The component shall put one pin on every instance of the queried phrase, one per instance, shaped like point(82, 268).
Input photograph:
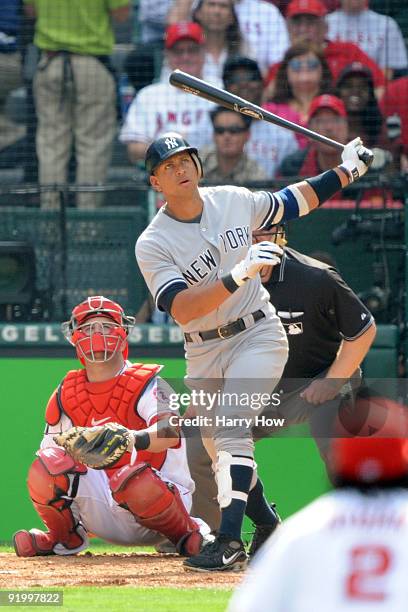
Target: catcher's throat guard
point(97, 341)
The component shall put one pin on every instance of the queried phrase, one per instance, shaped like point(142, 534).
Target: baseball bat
point(193, 85)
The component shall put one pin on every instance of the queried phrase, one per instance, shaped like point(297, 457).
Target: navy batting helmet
point(166, 146)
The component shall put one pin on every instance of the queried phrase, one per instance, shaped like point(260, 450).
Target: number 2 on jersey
point(368, 564)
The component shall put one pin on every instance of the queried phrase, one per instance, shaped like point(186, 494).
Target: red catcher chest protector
point(88, 404)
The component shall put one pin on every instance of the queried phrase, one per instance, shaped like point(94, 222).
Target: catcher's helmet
point(94, 338)
point(167, 145)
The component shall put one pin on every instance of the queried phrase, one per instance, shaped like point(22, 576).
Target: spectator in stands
point(306, 23)
point(75, 91)
point(222, 33)
point(268, 144)
point(10, 69)
point(328, 116)
point(226, 161)
point(302, 75)
point(394, 107)
point(261, 23)
point(152, 19)
point(160, 107)
point(377, 35)
point(356, 88)
point(148, 313)
point(222, 36)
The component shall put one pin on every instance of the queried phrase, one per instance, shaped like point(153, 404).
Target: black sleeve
point(165, 300)
point(341, 303)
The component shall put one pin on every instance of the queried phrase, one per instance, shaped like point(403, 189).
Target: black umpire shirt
point(318, 309)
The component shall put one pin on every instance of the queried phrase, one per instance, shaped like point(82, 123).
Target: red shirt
point(395, 102)
point(338, 55)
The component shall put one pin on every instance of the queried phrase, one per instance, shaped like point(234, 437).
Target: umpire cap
point(166, 146)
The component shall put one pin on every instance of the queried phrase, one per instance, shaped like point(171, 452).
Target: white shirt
point(212, 69)
point(161, 108)
point(264, 30)
point(378, 35)
point(153, 400)
point(345, 552)
point(269, 144)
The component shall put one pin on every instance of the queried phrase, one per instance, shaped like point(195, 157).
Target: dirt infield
point(88, 569)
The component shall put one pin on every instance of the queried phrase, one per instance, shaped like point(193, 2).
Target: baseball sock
point(258, 509)
point(233, 515)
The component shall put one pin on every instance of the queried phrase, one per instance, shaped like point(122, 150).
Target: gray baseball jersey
point(174, 255)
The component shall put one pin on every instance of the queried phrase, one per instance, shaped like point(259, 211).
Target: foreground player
point(345, 551)
point(145, 496)
point(198, 262)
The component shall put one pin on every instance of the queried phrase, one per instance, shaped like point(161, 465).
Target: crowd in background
point(85, 89)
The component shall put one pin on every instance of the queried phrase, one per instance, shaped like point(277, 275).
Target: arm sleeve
point(273, 208)
point(155, 401)
point(351, 316)
point(161, 274)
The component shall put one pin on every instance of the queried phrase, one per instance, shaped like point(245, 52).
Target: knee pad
point(156, 504)
point(49, 476)
point(53, 481)
point(224, 480)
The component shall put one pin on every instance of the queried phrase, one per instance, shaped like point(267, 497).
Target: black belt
point(226, 331)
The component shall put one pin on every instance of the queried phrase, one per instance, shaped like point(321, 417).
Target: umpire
point(329, 331)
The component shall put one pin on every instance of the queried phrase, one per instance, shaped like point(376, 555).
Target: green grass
point(139, 599)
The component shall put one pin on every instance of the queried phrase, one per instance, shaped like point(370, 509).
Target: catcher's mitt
point(97, 447)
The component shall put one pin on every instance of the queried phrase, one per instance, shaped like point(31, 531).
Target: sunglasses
point(232, 129)
point(297, 65)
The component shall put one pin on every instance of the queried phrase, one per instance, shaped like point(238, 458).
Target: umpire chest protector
point(89, 404)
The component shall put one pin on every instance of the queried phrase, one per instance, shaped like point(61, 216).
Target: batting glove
point(356, 159)
point(261, 254)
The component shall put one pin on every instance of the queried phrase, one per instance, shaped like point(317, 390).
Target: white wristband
point(351, 170)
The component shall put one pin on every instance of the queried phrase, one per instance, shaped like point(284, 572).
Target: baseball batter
point(198, 262)
point(346, 551)
point(138, 488)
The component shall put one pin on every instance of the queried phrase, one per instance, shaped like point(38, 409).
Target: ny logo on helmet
point(171, 143)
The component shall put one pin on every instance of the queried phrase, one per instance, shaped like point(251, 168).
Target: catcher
point(109, 462)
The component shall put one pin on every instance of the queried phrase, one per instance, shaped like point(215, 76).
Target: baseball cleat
point(223, 554)
point(262, 533)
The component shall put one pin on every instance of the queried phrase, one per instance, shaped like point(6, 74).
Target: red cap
point(306, 7)
point(368, 460)
point(327, 101)
point(183, 30)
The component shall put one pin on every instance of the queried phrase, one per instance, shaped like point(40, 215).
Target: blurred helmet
point(106, 337)
point(369, 459)
point(166, 146)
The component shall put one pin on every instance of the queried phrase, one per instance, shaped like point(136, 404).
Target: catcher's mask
point(276, 234)
point(107, 336)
